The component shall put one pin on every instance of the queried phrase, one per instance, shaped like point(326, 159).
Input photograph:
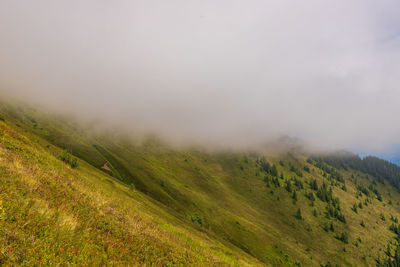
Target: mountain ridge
point(233, 208)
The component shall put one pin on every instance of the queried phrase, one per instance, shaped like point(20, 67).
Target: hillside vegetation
point(69, 196)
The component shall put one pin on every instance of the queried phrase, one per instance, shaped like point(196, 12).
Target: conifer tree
point(288, 186)
point(298, 215)
point(294, 196)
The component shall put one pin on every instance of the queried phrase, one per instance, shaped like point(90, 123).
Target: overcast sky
point(226, 72)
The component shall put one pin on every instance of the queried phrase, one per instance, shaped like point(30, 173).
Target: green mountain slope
point(149, 203)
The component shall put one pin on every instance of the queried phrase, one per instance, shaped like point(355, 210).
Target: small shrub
point(132, 187)
point(68, 158)
point(344, 238)
point(2, 211)
point(197, 219)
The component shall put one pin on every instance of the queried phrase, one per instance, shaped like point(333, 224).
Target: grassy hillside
point(149, 203)
point(51, 213)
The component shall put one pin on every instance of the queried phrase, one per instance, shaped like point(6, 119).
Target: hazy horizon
point(234, 73)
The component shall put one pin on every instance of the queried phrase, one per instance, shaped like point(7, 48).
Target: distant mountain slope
point(393, 155)
point(158, 205)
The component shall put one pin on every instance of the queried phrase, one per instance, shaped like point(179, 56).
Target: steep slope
point(152, 203)
point(51, 213)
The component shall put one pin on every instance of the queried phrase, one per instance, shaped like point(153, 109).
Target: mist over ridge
point(230, 73)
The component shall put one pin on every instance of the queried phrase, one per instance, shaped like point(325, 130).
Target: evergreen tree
point(354, 208)
point(306, 168)
point(298, 183)
point(310, 196)
point(314, 185)
point(344, 238)
point(288, 186)
point(344, 188)
point(294, 195)
point(298, 215)
point(276, 182)
point(324, 194)
point(274, 171)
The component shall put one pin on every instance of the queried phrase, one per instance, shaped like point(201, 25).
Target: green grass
point(158, 205)
point(52, 213)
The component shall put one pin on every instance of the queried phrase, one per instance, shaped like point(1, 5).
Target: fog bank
point(216, 72)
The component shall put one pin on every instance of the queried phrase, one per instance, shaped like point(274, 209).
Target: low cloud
point(219, 72)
